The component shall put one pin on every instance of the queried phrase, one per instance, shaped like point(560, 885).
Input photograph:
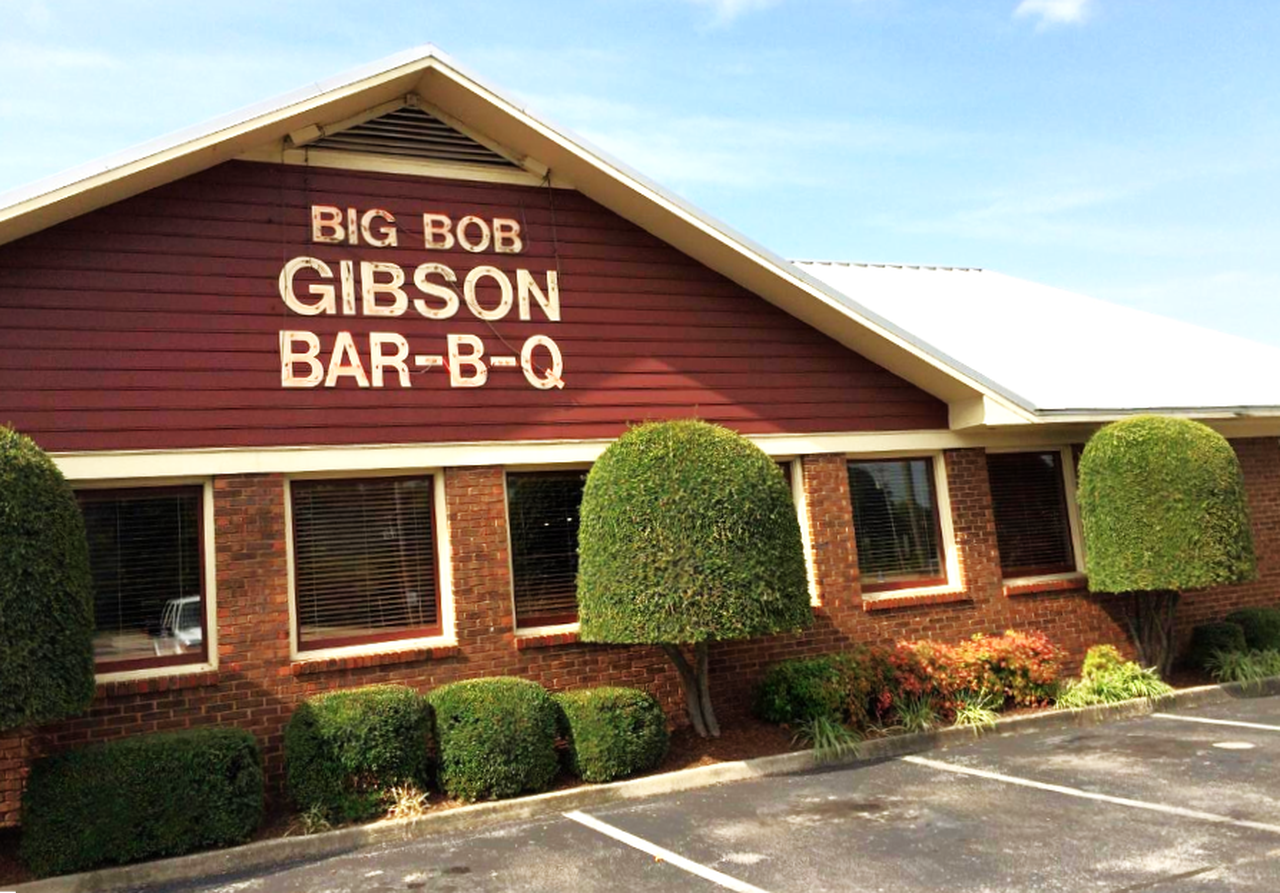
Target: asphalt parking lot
point(1170, 803)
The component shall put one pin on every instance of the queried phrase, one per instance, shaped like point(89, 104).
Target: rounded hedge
point(141, 798)
point(1162, 505)
point(345, 750)
point(495, 737)
point(803, 689)
point(612, 732)
point(1207, 638)
point(1261, 627)
point(688, 533)
point(46, 593)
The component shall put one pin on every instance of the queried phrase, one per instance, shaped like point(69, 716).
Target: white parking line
point(644, 846)
point(1091, 795)
point(1217, 722)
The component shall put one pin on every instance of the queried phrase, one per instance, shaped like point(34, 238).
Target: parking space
point(1165, 803)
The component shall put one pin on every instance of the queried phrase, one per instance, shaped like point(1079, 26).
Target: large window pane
point(148, 592)
point(543, 508)
point(364, 560)
point(1030, 503)
point(895, 523)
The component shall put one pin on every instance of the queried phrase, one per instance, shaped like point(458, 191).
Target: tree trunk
point(697, 692)
point(1151, 623)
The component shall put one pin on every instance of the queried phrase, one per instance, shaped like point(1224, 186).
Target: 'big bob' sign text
point(370, 288)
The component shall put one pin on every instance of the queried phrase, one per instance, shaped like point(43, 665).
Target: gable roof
point(873, 329)
point(1066, 354)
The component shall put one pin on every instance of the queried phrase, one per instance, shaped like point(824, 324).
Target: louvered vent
point(410, 132)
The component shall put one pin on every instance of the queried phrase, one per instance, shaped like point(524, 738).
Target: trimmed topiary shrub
point(689, 534)
point(46, 593)
point(1223, 636)
point(345, 750)
point(141, 798)
point(495, 737)
point(797, 691)
point(1261, 627)
point(612, 732)
point(1163, 509)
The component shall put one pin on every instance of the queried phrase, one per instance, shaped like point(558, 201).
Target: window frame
point(173, 665)
point(951, 580)
point(1068, 482)
point(442, 634)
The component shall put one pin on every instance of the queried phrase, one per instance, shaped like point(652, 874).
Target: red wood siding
point(153, 324)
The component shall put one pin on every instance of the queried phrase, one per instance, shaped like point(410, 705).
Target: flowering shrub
point(868, 686)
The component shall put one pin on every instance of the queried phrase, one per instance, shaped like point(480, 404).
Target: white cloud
point(728, 10)
point(1049, 13)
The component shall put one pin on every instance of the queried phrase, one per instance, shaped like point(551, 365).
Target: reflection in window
point(148, 584)
point(1030, 504)
point(895, 523)
point(543, 510)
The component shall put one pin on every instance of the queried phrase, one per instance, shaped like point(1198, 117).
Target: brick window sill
point(1055, 584)
point(305, 667)
point(548, 641)
point(891, 602)
point(152, 684)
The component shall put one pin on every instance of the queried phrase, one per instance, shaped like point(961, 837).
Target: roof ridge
point(861, 263)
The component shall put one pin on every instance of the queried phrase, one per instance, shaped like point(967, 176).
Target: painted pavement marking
point(675, 859)
point(1239, 724)
point(1091, 795)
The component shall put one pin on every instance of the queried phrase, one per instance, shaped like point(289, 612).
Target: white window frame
point(1073, 513)
point(209, 556)
point(444, 557)
point(946, 528)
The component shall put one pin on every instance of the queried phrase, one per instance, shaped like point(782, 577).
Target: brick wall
point(256, 685)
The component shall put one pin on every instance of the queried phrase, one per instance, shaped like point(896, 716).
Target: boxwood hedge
point(1261, 627)
point(345, 750)
point(141, 798)
point(1207, 638)
point(612, 732)
point(496, 737)
point(46, 601)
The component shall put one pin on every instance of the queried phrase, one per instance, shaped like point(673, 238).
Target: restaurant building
point(328, 374)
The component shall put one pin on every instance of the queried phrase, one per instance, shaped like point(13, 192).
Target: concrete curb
point(286, 850)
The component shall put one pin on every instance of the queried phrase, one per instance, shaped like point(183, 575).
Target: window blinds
point(1029, 500)
point(364, 560)
point(543, 509)
point(895, 523)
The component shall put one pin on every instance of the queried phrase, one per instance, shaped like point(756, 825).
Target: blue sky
point(1127, 149)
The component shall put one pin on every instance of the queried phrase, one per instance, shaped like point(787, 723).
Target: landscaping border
point(287, 850)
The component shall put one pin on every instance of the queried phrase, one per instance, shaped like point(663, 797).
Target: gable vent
point(410, 132)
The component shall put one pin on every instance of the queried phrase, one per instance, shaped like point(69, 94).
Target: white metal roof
point(1062, 352)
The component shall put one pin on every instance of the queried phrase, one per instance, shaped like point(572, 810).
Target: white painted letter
point(323, 292)
point(345, 360)
point(550, 378)
point(379, 360)
point(386, 235)
point(435, 231)
point(326, 224)
point(347, 278)
point(443, 292)
point(456, 361)
point(473, 247)
point(504, 286)
point(289, 356)
point(506, 236)
point(550, 302)
point(370, 288)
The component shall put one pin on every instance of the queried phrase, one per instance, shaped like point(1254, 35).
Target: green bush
point(689, 533)
point(798, 691)
point(345, 750)
point(612, 732)
point(141, 798)
point(1207, 638)
point(1247, 667)
point(496, 737)
point(1163, 507)
point(1107, 678)
point(46, 601)
point(1261, 627)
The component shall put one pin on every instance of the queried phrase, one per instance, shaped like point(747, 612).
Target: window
point(146, 560)
point(895, 524)
point(364, 560)
point(543, 513)
point(1033, 529)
